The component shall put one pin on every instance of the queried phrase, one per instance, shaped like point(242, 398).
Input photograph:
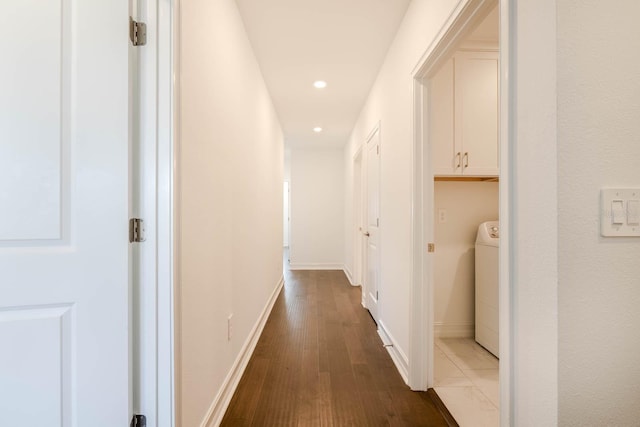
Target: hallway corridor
point(320, 362)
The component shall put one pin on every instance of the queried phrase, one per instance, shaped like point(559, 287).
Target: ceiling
point(341, 42)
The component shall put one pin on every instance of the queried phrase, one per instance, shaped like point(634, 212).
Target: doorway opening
point(458, 89)
point(463, 142)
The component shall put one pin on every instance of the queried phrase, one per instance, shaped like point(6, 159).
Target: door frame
point(421, 332)
point(155, 394)
point(358, 209)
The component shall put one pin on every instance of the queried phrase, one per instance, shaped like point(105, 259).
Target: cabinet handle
point(466, 160)
point(459, 163)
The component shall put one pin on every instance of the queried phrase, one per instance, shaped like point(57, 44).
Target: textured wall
point(599, 278)
point(390, 104)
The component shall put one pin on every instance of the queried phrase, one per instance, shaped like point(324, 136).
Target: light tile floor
point(466, 379)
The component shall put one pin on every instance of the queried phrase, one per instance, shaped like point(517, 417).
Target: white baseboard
point(347, 273)
point(223, 398)
point(454, 330)
point(315, 266)
point(397, 355)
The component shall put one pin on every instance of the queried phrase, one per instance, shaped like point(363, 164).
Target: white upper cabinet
point(441, 123)
point(464, 115)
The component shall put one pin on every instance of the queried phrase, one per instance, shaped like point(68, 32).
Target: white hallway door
point(64, 141)
point(373, 223)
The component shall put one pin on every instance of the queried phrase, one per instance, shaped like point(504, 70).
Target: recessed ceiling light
point(320, 84)
point(317, 129)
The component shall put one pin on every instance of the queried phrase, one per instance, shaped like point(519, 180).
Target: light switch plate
point(624, 224)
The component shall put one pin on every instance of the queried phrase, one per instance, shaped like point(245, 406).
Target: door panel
point(40, 351)
point(64, 292)
point(35, 122)
point(444, 156)
point(477, 104)
point(373, 222)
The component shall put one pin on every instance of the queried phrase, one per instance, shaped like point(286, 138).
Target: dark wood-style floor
point(320, 362)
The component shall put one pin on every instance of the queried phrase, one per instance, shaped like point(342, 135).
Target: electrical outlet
point(442, 215)
point(229, 327)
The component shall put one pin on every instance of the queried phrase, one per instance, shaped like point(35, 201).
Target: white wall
point(229, 196)
point(285, 214)
point(467, 205)
point(287, 202)
point(598, 59)
point(287, 164)
point(530, 165)
point(317, 209)
point(575, 294)
point(390, 102)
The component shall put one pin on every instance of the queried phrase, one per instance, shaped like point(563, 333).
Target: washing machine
point(487, 248)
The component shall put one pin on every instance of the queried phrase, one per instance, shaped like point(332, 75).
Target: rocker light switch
point(633, 212)
point(620, 212)
point(617, 212)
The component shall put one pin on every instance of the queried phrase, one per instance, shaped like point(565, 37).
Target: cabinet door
point(445, 159)
point(476, 111)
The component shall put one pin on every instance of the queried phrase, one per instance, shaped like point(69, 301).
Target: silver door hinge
point(136, 230)
point(376, 295)
point(137, 32)
point(139, 421)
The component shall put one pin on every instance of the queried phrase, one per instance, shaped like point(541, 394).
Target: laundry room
point(460, 208)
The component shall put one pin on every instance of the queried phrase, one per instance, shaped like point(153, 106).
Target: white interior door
point(373, 223)
point(64, 289)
